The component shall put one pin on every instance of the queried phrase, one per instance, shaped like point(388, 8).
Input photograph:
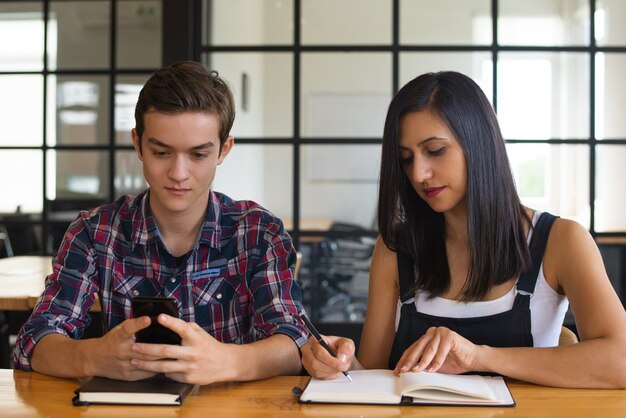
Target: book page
point(368, 386)
point(496, 383)
point(439, 386)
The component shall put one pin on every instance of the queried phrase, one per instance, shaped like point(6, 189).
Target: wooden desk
point(24, 394)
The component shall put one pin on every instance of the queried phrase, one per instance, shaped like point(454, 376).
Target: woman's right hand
point(321, 364)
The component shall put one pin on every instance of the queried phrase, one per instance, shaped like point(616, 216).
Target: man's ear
point(137, 143)
point(226, 147)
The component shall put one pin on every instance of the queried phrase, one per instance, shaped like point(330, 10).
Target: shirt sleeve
point(276, 295)
point(68, 294)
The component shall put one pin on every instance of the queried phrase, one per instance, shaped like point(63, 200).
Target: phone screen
point(152, 307)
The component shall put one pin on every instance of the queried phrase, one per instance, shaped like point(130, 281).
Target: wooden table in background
point(25, 394)
point(22, 281)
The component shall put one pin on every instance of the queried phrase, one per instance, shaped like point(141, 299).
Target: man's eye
point(200, 155)
point(159, 153)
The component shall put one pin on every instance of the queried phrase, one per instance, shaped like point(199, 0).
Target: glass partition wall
point(313, 79)
point(70, 73)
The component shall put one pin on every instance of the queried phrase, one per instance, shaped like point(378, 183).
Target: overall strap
point(406, 275)
point(526, 283)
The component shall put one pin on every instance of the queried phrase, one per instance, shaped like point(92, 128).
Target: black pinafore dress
point(511, 328)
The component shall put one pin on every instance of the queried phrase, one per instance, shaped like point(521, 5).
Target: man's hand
point(113, 354)
point(200, 358)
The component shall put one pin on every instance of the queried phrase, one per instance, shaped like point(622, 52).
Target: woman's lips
point(433, 191)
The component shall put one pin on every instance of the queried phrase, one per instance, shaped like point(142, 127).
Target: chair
point(23, 236)
point(6, 242)
point(567, 337)
point(343, 274)
point(298, 264)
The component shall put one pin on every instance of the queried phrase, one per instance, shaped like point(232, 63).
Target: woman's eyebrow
point(424, 141)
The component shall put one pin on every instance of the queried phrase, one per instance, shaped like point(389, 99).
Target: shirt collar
point(211, 228)
point(145, 230)
point(143, 225)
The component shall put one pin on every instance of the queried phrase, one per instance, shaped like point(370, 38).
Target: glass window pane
point(610, 199)
point(477, 65)
point(25, 195)
point(127, 90)
point(249, 22)
point(129, 177)
point(609, 23)
point(344, 94)
point(21, 110)
point(335, 277)
point(544, 22)
point(139, 31)
point(459, 22)
point(262, 84)
point(78, 109)
point(610, 95)
point(553, 178)
point(340, 183)
point(25, 51)
point(77, 175)
point(347, 22)
point(543, 95)
point(261, 173)
point(79, 34)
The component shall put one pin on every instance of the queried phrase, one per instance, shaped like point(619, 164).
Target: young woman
point(464, 278)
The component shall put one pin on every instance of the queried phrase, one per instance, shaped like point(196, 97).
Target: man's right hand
point(321, 364)
point(112, 355)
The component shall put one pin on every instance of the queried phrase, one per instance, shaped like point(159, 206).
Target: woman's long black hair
point(497, 243)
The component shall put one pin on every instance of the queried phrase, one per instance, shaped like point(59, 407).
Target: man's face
point(180, 153)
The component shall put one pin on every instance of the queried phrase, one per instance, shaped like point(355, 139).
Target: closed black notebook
point(157, 390)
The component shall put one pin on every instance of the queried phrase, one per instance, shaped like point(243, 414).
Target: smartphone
point(152, 307)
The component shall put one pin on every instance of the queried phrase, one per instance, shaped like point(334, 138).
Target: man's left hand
point(200, 358)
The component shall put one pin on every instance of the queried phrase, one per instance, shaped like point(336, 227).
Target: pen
point(318, 337)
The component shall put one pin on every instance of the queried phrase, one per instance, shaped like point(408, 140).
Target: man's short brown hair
point(186, 86)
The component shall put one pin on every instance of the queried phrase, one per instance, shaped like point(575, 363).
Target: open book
point(383, 387)
point(157, 390)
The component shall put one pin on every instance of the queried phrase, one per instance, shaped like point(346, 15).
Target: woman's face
point(433, 161)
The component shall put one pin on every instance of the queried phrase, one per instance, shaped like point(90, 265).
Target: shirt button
point(218, 296)
point(135, 292)
point(173, 280)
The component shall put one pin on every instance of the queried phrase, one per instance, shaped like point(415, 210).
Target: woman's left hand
point(439, 350)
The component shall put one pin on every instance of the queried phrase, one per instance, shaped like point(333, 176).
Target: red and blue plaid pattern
point(237, 282)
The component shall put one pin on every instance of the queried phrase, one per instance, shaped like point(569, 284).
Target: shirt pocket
point(222, 308)
point(210, 289)
point(125, 287)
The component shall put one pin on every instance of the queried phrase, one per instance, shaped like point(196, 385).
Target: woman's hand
point(439, 350)
point(321, 364)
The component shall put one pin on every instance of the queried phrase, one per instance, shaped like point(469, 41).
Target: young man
point(228, 264)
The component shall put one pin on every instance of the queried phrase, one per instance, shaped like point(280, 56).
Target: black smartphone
point(152, 307)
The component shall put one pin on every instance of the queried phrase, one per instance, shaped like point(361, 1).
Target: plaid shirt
point(236, 283)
